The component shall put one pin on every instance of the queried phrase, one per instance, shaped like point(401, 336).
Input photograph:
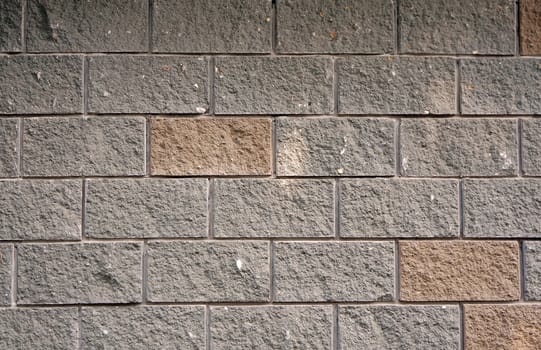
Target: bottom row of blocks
point(486, 326)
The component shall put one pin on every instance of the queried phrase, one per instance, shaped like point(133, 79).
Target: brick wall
point(289, 174)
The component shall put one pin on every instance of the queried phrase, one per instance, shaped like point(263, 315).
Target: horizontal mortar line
point(281, 303)
point(268, 54)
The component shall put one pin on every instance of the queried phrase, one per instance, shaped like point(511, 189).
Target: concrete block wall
point(270, 174)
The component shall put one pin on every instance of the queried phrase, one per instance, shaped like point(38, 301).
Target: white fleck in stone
point(200, 110)
point(340, 171)
point(432, 197)
point(106, 94)
point(239, 264)
point(196, 86)
point(105, 331)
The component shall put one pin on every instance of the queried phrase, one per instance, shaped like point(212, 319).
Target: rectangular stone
point(273, 85)
point(147, 84)
point(273, 208)
point(399, 208)
point(333, 271)
point(142, 208)
point(492, 326)
point(459, 147)
point(531, 254)
point(82, 273)
point(335, 147)
point(40, 209)
point(6, 266)
point(352, 26)
point(43, 328)
point(502, 208)
point(484, 27)
point(87, 26)
point(399, 327)
point(530, 27)
point(199, 271)
point(213, 146)
point(10, 25)
point(500, 86)
point(396, 85)
point(208, 26)
point(41, 84)
point(9, 147)
point(84, 146)
point(531, 147)
point(146, 327)
point(271, 327)
point(459, 270)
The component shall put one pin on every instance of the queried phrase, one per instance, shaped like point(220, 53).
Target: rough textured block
point(273, 85)
point(79, 273)
point(531, 147)
point(332, 271)
point(351, 26)
point(502, 326)
point(41, 84)
point(502, 208)
point(532, 270)
point(273, 208)
point(501, 86)
point(42, 328)
point(335, 146)
point(81, 146)
point(146, 208)
point(217, 146)
point(6, 265)
point(9, 147)
point(396, 85)
point(271, 327)
point(459, 270)
point(40, 209)
point(10, 25)
point(485, 27)
point(459, 147)
point(208, 271)
point(152, 327)
point(87, 26)
point(399, 327)
point(530, 27)
point(147, 84)
point(399, 208)
point(233, 26)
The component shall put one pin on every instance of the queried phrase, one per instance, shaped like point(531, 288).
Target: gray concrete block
point(233, 26)
point(273, 85)
point(332, 271)
point(81, 146)
point(6, 266)
point(147, 327)
point(147, 84)
point(399, 208)
point(271, 327)
point(87, 26)
point(459, 147)
point(10, 25)
point(532, 270)
point(531, 147)
point(484, 27)
point(41, 84)
point(190, 271)
point(399, 327)
point(79, 273)
point(502, 208)
point(396, 85)
point(141, 208)
point(43, 328)
point(353, 26)
point(335, 147)
point(273, 208)
point(500, 86)
point(40, 209)
point(9, 147)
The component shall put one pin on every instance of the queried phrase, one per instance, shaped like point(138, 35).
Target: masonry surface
point(270, 174)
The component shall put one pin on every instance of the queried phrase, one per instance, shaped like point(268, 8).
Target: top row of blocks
point(484, 27)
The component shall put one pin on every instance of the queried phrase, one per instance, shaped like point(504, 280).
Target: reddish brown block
point(459, 270)
point(530, 27)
